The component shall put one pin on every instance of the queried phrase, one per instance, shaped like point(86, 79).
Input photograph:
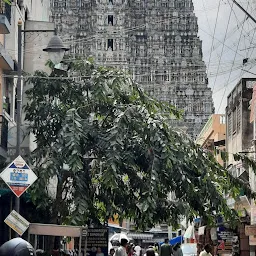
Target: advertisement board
point(17, 222)
point(96, 241)
point(18, 176)
point(226, 238)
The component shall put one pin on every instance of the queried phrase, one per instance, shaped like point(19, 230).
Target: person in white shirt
point(206, 251)
point(138, 250)
point(121, 250)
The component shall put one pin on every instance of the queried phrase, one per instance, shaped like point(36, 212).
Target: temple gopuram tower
point(156, 40)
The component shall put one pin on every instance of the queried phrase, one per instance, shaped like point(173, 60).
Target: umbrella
point(117, 238)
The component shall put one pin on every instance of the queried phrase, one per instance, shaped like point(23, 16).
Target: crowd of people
point(129, 249)
point(20, 247)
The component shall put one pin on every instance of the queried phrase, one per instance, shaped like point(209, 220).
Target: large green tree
point(109, 148)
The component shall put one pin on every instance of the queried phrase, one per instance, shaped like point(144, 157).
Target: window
point(234, 123)
point(222, 119)
point(111, 44)
point(166, 76)
point(229, 125)
point(110, 20)
point(239, 117)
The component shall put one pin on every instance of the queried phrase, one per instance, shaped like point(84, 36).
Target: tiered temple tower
point(156, 40)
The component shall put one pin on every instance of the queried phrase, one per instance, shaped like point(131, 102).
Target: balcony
point(5, 17)
point(6, 62)
point(4, 136)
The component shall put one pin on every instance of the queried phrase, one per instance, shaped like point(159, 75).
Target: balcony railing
point(5, 9)
point(4, 132)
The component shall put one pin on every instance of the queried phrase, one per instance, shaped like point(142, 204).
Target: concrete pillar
point(169, 232)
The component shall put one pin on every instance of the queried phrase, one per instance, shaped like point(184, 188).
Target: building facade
point(213, 136)
point(156, 41)
point(239, 129)
point(6, 65)
point(240, 140)
point(30, 13)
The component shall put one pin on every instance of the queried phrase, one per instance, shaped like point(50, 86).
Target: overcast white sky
point(235, 39)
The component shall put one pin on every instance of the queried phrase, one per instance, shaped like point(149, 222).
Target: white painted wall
point(34, 14)
point(37, 10)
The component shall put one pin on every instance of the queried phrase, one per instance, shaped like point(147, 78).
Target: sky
point(226, 43)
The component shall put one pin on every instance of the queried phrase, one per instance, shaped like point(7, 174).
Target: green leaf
point(7, 1)
point(122, 154)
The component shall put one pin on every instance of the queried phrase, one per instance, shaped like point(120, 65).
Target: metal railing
point(4, 132)
point(5, 9)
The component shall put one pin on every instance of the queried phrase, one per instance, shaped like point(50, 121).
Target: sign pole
point(85, 244)
point(80, 242)
point(19, 104)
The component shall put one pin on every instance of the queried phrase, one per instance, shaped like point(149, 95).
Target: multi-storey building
point(6, 65)
point(239, 139)
point(29, 12)
point(213, 136)
point(155, 40)
point(239, 129)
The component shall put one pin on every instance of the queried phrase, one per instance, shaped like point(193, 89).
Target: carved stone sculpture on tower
point(150, 31)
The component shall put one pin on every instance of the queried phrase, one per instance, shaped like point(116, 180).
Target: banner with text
point(227, 239)
point(97, 241)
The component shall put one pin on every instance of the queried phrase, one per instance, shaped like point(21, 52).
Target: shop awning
point(140, 236)
point(116, 226)
point(175, 240)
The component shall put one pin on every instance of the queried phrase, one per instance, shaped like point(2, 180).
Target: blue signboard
point(225, 239)
point(18, 176)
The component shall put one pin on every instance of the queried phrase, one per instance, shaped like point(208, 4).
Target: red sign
point(18, 191)
point(221, 245)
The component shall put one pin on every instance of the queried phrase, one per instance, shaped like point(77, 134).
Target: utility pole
point(19, 103)
point(247, 13)
point(56, 50)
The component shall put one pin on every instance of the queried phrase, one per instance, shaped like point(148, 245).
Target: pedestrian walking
point(177, 250)
point(153, 248)
point(150, 252)
point(156, 247)
point(206, 251)
point(99, 252)
point(166, 249)
point(111, 252)
point(138, 250)
point(121, 250)
point(130, 250)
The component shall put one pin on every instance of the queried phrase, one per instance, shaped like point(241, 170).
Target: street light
point(56, 49)
point(56, 52)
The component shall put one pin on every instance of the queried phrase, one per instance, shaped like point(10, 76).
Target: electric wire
point(206, 16)
point(222, 50)
point(116, 32)
point(214, 31)
point(232, 66)
point(241, 55)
